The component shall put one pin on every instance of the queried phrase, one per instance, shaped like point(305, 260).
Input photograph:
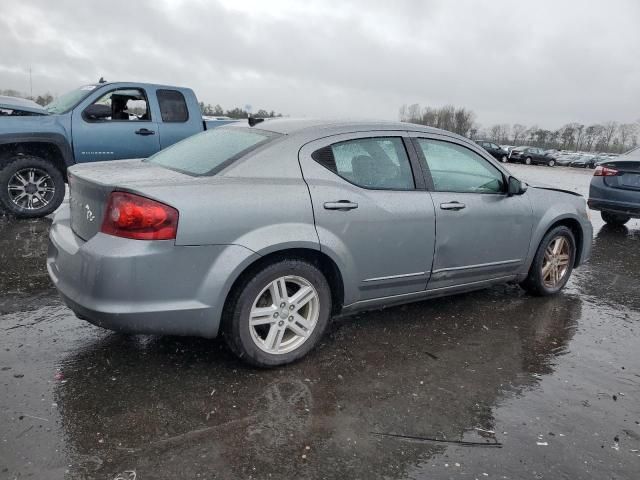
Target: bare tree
point(494, 133)
point(518, 133)
point(609, 130)
point(626, 132)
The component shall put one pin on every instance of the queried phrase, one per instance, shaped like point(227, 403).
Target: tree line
point(218, 111)
point(610, 136)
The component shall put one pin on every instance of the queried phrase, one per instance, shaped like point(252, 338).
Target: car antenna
point(102, 80)
point(254, 121)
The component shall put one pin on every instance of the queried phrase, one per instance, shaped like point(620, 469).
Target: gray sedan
point(265, 231)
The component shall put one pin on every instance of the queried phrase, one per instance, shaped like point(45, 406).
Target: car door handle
point(342, 205)
point(452, 206)
point(145, 131)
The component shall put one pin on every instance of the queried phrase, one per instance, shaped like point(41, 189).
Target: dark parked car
point(615, 189)
point(496, 151)
point(265, 233)
point(529, 155)
point(584, 161)
point(565, 159)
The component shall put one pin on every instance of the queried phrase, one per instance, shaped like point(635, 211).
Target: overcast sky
point(536, 62)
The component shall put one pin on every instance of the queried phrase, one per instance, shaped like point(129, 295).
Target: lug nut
point(290, 307)
point(275, 315)
point(280, 323)
point(282, 305)
point(291, 318)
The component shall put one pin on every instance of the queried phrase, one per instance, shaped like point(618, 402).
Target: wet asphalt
point(489, 385)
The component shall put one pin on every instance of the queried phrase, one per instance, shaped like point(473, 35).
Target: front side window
point(124, 105)
point(208, 152)
point(173, 107)
point(455, 168)
point(377, 163)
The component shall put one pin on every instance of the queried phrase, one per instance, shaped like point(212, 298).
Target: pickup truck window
point(209, 152)
point(173, 107)
point(128, 104)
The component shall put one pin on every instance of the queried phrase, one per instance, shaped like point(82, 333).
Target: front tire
point(552, 264)
point(277, 315)
point(614, 218)
point(30, 187)
point(504, 159)
point(527, 161)
point(551, 162)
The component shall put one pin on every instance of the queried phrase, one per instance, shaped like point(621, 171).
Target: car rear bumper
point(623, 208)
point(615, 200)
point(140, 286)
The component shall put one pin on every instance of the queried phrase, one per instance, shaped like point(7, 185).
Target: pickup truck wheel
point(552, 264)
point(30, 187)
point(278, 314)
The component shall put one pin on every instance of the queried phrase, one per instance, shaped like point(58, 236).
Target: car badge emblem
point(90, 216)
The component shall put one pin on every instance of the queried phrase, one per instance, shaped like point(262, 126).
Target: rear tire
point(527, 161)
point(30, 187)
point(614, 218)
point(504, 159)
point(550, 270)
point(254, 311)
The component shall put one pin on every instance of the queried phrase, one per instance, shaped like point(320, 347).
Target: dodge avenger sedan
point(264, 231)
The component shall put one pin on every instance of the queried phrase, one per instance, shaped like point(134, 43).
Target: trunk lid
point(90, 185)
point(628, 177)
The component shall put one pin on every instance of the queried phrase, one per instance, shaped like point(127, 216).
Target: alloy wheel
point(31, 188)
point(555, 264)
point(284, 314)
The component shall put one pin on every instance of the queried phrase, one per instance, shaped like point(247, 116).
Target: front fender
point(52, 129)
point(557, 213)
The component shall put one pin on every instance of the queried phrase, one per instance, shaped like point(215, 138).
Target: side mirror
point(97, 112)
point(515, 187)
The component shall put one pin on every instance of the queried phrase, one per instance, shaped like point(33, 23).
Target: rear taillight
point(604, 171)
point(140, 218)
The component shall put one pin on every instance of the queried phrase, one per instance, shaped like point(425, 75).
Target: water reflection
point(185, 406)
point(23, 250)
point(613, 273)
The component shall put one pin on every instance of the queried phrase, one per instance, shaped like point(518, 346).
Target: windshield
point(210, 151)
point(66, 102)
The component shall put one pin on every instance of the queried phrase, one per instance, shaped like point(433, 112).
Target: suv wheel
point(527, 160)
point(614, 218)
point(504, 159)
point(30, 187)
point(552, 264)
point(278, 315)
point(551, 162)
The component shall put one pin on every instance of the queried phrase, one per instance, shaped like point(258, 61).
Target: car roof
point(290, 126)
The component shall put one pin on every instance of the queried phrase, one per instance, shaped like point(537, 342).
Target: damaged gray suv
point(264, 231)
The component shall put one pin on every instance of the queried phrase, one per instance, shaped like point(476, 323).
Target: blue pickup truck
point(104, 121)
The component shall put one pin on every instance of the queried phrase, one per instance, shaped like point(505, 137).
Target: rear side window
point(378, 163)
point(210, 151)
point(173, 107)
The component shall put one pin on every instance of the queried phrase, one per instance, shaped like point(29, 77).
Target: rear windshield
point(208, 152)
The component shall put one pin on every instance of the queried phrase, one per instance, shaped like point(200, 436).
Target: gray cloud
point(541, 62)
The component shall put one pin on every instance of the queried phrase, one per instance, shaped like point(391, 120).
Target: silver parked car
point(264, 232)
